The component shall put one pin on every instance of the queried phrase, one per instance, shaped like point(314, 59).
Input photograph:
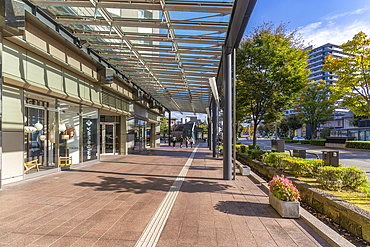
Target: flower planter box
point(285, 209)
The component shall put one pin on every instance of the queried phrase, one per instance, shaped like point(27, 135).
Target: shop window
point(39, 141)
point(69, 131)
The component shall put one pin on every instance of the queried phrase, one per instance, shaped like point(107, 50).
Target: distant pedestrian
point(191, 142)
point(186, 142)
point(181, 140)
point(174, 141)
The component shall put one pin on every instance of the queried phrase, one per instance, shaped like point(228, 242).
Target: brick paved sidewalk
point(110, 203)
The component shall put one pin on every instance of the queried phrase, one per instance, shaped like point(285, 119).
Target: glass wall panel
point(353, 133)
point(367, 135)
point(69, 131)
point(39, 141)
point(362, 135)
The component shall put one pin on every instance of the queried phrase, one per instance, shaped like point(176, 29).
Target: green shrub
point(354, 177)
point(305, 141)
point(291, 141)
point(358, 144)
point(302, 167)
point(238, 149)
point(286, 138)
point(250, 146)
point(243, 149)
point(337, 177)
point(256, 154)
point(274, 159)
point(318, 142)
point(331, 177)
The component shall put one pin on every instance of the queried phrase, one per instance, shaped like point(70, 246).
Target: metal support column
point(214, 132)
point(1, 103)
point(227, 131)
point(234, 114)
point(169, 128)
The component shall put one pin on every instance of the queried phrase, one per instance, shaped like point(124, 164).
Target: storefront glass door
point(108, 138)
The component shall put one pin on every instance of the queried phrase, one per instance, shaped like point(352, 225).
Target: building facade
point(63, 104)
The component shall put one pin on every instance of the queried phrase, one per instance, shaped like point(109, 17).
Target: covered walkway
point(125, 201)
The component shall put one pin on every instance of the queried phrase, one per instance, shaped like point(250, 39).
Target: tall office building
point(316, 59)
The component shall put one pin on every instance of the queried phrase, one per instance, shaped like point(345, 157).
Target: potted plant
point(284, 197)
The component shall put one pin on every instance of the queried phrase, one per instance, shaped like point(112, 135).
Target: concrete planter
point(285, 209)
point(245, 170)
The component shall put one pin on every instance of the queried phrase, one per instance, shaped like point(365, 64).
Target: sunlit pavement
point(110, 203)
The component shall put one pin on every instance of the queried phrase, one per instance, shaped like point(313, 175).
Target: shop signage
point(90, 134)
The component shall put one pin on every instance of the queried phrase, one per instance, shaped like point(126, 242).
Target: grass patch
point(355, 197)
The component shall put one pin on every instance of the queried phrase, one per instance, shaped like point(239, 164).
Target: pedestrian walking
point(191, 142)
point(174, 141)
point(181, 140)
point(186, 142)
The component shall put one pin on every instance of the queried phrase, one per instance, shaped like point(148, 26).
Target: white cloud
point(333, 16)
point(338, 34)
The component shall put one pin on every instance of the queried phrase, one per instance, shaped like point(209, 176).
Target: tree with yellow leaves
point(352, 87)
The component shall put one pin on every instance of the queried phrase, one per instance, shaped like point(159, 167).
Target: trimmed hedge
point(241, 148)
point(358, 144)
point(337, 177)
point(318, 142)
point(257, 154)
point(291, 141)
point(329, 177)
point(274, 159)
point(305, 141)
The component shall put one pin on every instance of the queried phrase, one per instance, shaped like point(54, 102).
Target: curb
point(331, 236)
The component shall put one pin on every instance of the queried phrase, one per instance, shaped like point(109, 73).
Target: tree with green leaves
point(352, 88)
point(290, 123)
point(271, 70)
point(164, 127)
point(315, 105)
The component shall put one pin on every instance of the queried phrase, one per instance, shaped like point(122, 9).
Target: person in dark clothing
point(174, 141)
point(181, 140)
point(186, 142)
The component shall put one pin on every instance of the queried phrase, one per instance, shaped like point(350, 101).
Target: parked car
point(298, 138)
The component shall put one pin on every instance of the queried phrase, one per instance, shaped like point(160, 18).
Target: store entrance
point(109, 138)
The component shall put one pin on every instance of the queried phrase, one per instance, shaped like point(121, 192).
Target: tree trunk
point(313, 128)
point(254, 134)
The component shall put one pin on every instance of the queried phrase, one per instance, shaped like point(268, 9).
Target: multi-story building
point(316, 59)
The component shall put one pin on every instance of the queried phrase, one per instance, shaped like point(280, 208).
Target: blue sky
point(319, 22)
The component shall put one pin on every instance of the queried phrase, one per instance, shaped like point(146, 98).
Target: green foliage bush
point(332, 178)
point(241, 148)
point(244, 148)
point(335, 178)
point(274, 159)
point(358, 144)
point(286, 138)
point(256, 154)
point(305, 141)
point(291, 141)
point(302, 167)
point(250, 146)
point(318, 142)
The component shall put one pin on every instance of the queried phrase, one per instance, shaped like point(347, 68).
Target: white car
point(298, 138)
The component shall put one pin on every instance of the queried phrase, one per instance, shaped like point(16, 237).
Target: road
point(347, 158)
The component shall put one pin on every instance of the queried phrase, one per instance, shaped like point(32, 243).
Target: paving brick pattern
point(109, 203)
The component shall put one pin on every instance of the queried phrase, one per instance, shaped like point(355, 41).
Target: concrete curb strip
point(331, 236)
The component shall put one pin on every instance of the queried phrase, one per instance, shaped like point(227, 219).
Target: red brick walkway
point(111, 202)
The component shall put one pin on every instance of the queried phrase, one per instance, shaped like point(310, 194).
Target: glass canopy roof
point(169, 48)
